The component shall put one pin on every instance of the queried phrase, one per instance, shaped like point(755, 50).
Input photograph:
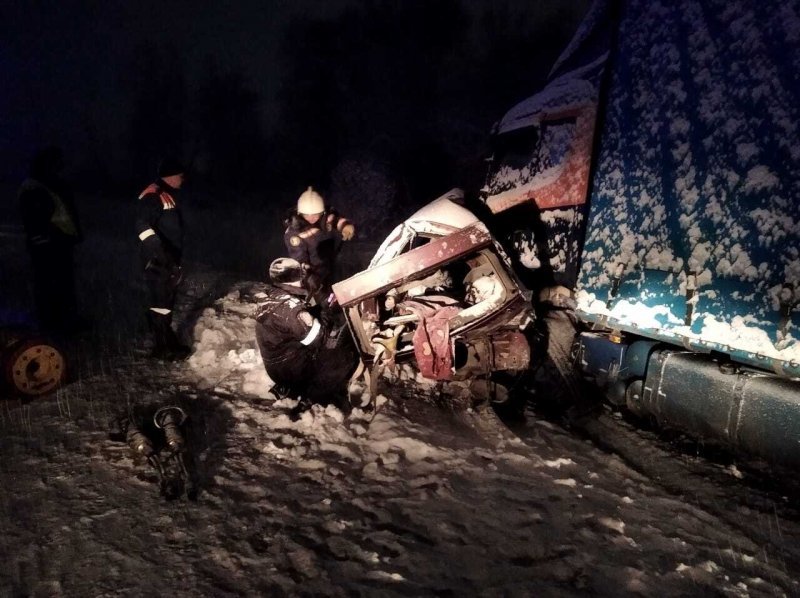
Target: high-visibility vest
point(61, 217)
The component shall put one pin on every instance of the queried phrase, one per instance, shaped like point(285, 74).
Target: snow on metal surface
point(440, 217)
point(567, 92)
point(442, 210)
point(544, 144)
point(698, 178)
point(558, 173)
point(590, 40)
point(417, 262)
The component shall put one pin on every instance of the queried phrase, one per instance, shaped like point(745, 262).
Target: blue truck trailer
point(660, 169)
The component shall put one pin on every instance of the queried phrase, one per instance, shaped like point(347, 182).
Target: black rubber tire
point(557, 381)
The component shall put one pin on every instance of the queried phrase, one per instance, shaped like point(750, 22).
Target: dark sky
point(65, 63)
point(63, 60)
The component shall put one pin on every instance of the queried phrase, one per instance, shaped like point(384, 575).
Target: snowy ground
point(417, 501)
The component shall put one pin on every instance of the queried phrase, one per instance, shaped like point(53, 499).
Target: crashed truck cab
point(439, 294)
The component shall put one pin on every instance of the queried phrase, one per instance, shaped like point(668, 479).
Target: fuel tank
point(745, 408)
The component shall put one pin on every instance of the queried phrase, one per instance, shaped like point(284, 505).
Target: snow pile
point(225, 353)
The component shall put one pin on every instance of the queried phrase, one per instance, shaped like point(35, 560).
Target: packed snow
point(408, 499)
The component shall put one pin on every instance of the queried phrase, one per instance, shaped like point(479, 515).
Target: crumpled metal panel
point(510, 351)
point(412, 264)
point(441, 217)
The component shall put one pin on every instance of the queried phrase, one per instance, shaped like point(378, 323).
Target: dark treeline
point(386, 103)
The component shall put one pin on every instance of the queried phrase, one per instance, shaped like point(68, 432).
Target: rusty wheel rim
point(36, 368)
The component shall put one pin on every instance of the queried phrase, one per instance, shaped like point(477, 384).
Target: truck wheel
point(33, 367)
point(556, 379)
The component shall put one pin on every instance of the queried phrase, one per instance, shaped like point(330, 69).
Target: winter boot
point(164, 340)
point(342, 403)
point(298, 410)
point(177, 350)
point(284, 391)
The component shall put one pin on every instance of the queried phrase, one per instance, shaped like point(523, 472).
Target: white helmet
point(286, 271)
point(310, 202)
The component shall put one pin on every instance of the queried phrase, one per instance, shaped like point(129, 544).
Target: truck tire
point(558, 382)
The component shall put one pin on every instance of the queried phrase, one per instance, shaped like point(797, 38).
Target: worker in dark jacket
point(52, 230)
point(159, 225)
point(307, 358)
point(314, 235)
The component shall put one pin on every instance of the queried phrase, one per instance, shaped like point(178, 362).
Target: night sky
point(65, 63)
point(75, 73)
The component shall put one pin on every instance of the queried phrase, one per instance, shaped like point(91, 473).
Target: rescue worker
point(307, 358)
point(314, 235)
point(159, 225)
point(52, 230)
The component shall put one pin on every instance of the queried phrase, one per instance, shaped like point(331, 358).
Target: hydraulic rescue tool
point(162, 443)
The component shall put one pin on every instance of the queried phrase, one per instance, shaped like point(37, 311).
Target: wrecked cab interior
point(439, 295)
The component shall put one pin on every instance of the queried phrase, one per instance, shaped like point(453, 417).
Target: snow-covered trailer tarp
point(693, 231)
point(694, 219)
point(654, 186)
point(692, 227)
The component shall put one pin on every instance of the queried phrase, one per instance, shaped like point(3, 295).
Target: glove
point(335, 335)
point(313, 285)
point(348, 232)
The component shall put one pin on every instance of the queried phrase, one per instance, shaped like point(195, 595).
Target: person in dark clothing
point(159, 225)
point(314, 235)
point(308, 357)
point(52, 230)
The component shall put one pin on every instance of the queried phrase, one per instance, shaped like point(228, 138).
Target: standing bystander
point(52, 230)
point(159, 225)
